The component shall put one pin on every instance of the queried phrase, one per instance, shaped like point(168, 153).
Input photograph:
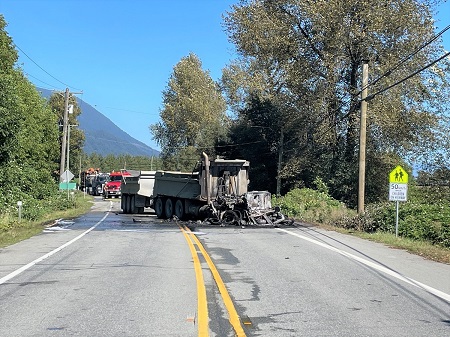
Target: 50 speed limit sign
point(398, 192)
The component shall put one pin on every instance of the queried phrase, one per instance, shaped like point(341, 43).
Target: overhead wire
point(37, 79)
point(45, 71)
point(387, 73)
point(369, 97)
point(406, 58)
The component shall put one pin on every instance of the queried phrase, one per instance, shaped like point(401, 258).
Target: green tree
point(193, 113)
point(306, 58)
point(9, 112)
point(28, 136)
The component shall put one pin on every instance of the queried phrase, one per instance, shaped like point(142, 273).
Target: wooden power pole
point(362, 139)
point(64, 137)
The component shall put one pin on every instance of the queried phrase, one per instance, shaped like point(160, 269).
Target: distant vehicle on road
point(112, 187)
point(86, 179)
point(98, 183)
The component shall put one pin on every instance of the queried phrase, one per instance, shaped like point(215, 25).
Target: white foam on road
point(54, 251)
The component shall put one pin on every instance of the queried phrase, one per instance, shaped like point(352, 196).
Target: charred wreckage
point(214, 193)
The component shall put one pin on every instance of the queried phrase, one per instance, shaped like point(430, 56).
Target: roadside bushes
point(311, 206)
point(33, 208)
point(425, 216)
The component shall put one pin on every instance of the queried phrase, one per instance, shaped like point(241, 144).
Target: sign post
point(398, 189)
point(66, 177)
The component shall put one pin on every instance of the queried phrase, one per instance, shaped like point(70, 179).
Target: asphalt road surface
point(111, 274)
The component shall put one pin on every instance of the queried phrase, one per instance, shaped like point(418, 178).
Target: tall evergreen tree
point(193, 115)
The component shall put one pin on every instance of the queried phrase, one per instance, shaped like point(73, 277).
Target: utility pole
point(362, 139)
point(69, 111)
point(280, 158)
point(64, 137)
point(64, 140)
point(68, 144)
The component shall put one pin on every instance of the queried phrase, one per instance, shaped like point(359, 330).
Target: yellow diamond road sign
point(398, 175)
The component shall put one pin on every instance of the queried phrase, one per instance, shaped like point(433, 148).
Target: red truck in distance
point(113, 187)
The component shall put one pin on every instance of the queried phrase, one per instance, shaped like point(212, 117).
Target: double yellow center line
point(203, 329)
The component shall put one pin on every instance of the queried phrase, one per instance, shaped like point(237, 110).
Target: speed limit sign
point(398, 192)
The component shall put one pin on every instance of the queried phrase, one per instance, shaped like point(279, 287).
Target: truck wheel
point(179, 209)
point(159, 208)
point(123, 204)
point(168, 210)
point(231, 217)
point(132, 208)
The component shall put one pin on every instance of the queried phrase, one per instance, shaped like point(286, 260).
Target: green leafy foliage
point(305, 59)
point(29, 147)
point(36, 215)
point(76, 136)
point(425, 216)
point(311, 206)
point(111, 163)
point(193, 113)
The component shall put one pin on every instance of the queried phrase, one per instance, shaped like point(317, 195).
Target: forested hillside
point(104, 137)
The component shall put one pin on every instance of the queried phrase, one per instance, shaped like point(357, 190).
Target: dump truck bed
point(139, 182)
point(177, 185)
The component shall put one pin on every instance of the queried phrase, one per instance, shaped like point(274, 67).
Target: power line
point(406, 58)
point(45, 71)
point(37, 79)
point(387, 73)
point(370, 97)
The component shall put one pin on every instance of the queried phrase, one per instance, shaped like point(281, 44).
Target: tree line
point(293, 95)
point(30, 141)
point(289, 103)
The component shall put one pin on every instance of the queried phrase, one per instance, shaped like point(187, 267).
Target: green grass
point(12, 230)
point(417, 247)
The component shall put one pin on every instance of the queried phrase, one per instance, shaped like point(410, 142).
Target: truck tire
point(123, 203)
point(168, 209)
point(132, 207)
point(179, 209)
point(159, 208)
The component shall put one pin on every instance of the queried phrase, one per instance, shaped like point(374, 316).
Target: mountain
point(103, 136)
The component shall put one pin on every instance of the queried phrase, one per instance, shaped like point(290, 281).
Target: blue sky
point(119, 53)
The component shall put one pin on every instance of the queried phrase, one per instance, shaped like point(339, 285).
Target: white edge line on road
point(29, 265)
point(373, 265)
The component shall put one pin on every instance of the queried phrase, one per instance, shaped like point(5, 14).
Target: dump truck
point(216, 191)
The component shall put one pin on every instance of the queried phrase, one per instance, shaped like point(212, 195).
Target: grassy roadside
point(419, 217)
point(421, 248)
point(13, 231)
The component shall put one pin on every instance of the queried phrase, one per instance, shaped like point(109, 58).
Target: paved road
point(110, 274)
